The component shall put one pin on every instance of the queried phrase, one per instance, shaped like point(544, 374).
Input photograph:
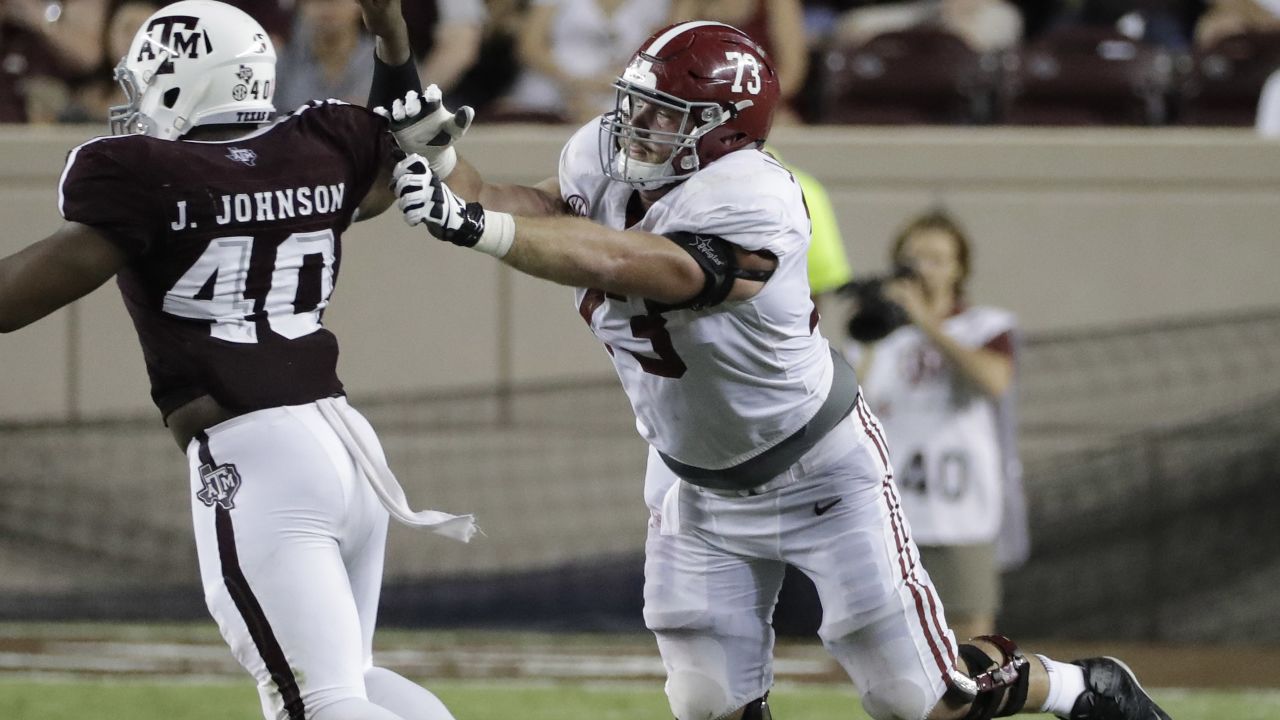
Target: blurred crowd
point(839, 61)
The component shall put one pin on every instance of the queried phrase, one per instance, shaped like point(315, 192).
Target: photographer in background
point(939, 373)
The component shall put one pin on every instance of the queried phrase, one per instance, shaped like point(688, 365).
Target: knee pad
point(897, 700)
point(696, 696)
point(995, 688)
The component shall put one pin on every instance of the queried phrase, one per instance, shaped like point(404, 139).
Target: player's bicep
point(728, 272)
point(760, 264)
point(67, 265)
point(380, 196)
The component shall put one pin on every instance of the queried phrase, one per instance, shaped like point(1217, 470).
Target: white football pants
point(715, 561)
point(291, 540)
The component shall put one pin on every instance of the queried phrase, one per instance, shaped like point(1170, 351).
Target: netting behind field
point(1151, 469)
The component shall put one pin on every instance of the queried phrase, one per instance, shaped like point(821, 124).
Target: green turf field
point(473, 700)
point(109, 671)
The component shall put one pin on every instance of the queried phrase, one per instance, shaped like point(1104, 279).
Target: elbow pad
point(719, 264)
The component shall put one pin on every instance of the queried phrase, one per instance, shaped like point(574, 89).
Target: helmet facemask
point(129, 117)
point(636, 106)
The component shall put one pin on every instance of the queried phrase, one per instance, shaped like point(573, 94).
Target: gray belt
point(774, 461)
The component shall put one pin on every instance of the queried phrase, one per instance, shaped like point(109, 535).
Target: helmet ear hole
point(171, 97)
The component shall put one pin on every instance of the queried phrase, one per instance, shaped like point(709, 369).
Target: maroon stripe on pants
point(929, 623)
point(264, 639)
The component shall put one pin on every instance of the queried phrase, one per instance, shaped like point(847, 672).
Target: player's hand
point(422, 124)
point(909, 294)
point(424, 199)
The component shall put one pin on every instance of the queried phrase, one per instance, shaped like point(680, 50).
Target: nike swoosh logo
point(821, 508)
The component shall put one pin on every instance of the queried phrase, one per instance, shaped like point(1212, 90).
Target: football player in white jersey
point(941, 386)
point(689, 264)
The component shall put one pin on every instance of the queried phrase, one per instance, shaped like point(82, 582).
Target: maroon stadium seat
point(1220, 85)
point(921, 76)
point(1086, 76)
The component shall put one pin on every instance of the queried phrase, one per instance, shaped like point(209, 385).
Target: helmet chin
point(643, 175)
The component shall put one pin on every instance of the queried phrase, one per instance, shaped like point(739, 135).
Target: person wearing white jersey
point(689, 264)
point(941, 385)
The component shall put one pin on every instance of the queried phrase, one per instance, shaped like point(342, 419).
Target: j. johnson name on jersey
point(268, 205)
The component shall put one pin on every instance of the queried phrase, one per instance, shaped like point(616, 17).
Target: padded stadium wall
point(1141, 264)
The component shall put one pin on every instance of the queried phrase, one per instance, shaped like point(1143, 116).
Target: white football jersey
point(711, 388)
point(944, 440)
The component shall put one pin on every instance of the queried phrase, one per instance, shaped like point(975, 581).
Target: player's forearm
point(393, 48)
point(580, 253)
point(385, 20)
point(992, 372)
point(394, 73)
point(466, 181)
point(60, 269)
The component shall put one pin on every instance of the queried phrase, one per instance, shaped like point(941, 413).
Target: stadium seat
point(919, 76)
point(1219, 85)
point(1086, 76)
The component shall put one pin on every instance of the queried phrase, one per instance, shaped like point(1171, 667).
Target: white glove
point(422, 125)
point(424, 199)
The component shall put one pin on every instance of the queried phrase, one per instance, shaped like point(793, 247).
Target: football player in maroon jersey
point(223, 226)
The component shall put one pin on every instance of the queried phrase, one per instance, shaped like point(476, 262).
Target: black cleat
point(1112, 692)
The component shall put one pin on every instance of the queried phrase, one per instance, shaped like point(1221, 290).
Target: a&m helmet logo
point(179, 33)
point(220, 485)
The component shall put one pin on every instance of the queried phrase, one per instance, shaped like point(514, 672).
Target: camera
point(876, 316)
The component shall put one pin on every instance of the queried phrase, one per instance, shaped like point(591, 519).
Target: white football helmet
point(196, 62)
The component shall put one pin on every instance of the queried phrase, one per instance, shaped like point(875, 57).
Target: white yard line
point(176, 659)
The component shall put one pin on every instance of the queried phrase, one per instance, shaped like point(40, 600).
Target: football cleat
point(1112, 692)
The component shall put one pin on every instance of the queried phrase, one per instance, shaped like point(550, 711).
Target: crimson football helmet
point(716, 89)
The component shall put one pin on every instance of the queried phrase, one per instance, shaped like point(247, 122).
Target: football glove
point(422, 124)
point(423, 198)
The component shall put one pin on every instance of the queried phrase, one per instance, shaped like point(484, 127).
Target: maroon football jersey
point(234, 249)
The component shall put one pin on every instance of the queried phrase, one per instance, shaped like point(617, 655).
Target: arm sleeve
point(98, 190)
point(391, 82)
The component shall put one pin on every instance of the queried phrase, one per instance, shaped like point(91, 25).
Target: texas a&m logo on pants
point(220, 485)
